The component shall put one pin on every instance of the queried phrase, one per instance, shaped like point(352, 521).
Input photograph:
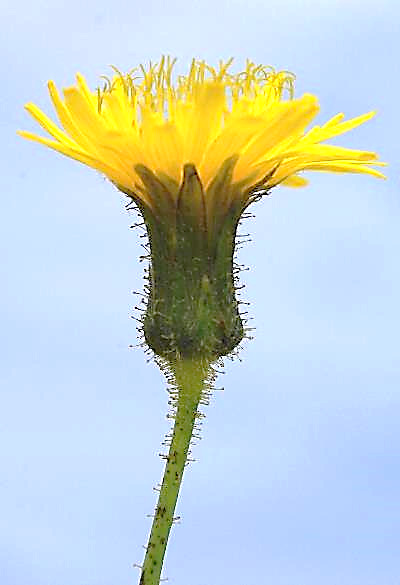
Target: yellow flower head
point(145, 119)
point(193, 151)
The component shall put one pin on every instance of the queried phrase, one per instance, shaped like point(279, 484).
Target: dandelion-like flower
point(142, 119)
point(193, 152)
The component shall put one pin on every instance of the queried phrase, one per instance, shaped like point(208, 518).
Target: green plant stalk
point(190, 379)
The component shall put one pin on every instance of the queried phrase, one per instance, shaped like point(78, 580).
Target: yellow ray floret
point(203, 118)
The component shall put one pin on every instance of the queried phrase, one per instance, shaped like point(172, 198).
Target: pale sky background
point(298, 474)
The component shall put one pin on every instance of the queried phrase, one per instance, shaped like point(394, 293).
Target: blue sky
point(298, 473)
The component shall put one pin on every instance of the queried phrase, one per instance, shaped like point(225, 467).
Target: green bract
point(192, 309)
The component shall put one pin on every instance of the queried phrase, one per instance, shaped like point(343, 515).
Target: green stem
point(190, 376)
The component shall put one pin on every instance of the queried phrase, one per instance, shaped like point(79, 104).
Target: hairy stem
point(190, 376)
